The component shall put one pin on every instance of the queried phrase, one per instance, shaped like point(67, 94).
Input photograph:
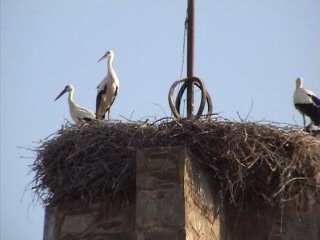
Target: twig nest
point(97, 162)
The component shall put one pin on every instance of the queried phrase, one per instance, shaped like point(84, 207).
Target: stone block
point(76, 223)
point(159, 193)
point(173, 198)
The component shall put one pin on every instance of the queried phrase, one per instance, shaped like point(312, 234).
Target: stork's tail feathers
point(87, 119)
point(315, 100)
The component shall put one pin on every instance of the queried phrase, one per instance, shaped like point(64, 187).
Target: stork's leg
point(304, 121)
point(109, 114)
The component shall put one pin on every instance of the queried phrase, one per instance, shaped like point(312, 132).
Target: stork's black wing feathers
point(312, 111)
point(114, 97)
point(99, 95)
point(98, 100)
point(316, 100)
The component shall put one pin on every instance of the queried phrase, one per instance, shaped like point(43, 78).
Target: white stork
point(107, 89)
point(78, 114)
point(306, 102)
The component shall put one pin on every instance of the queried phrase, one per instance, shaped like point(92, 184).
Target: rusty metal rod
point(190, 57)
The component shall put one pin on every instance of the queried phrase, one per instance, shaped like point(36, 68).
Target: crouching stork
point(78, 114)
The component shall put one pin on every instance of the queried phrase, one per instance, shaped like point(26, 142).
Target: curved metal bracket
point(205, 97)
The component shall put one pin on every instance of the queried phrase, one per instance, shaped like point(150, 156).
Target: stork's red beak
point(63, 92)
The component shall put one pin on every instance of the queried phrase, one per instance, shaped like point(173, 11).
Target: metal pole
point(190, 50)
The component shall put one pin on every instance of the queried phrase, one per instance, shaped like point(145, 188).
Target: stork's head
point(68, 88)
point(109, 54)
point(299, 82)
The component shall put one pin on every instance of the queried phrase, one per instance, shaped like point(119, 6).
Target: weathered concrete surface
point(101, 221)
point(202, 219)
point(301, 226)
point(174, 201)
point(251, 221)
point(259, 222)
point(160, 194)
point(51, 224)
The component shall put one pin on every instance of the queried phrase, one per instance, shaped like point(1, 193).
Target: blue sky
point(247, 51)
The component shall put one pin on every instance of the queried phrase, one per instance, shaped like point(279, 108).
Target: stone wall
point(174, 201)
point(159, 194)
point(202, 220)
point(173, 198)
point(97, 222)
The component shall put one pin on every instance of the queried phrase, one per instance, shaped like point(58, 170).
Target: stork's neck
point(111, 73)
point(109, 64)
point(70, 99)
point(299, 83)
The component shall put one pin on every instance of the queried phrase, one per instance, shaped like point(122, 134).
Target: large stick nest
point(97, 162)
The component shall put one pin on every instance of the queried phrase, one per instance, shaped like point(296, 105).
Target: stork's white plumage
point(78, 114)
point(307, 103)
point(107, 89)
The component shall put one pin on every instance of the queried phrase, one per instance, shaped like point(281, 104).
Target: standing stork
point(107, 89)
point(78, 114)
point(306, 102)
